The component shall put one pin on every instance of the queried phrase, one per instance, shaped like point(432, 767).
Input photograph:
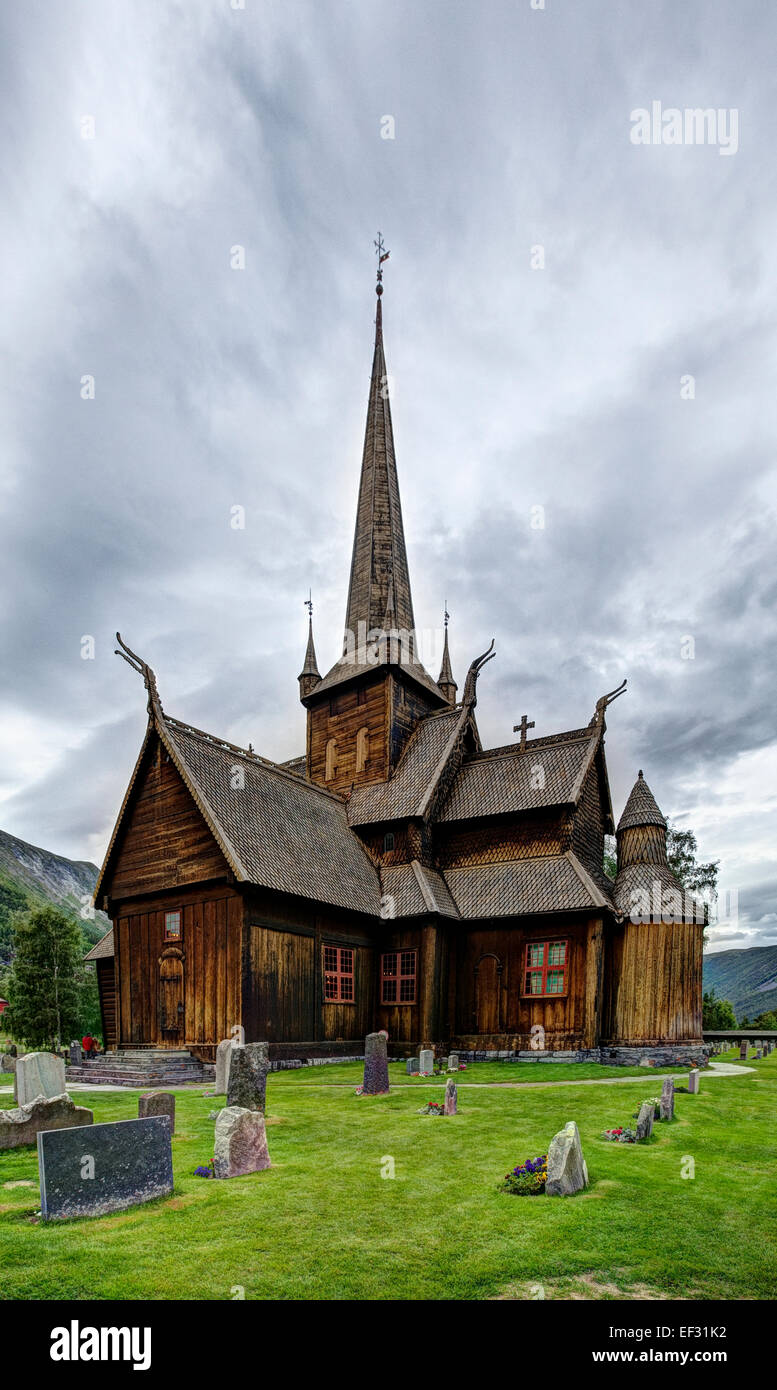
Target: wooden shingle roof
point(641, 807)
point(554, 883)
point(549, 772)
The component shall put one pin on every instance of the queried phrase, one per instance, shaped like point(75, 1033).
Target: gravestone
point(453, 1061)
point(743, 1051)
point(758, 1054)
point(12, 1049)
point(567, 1171)
point(444, 1063)
point(22, 1126)
point(8, 1063)
point(449, 1108)
point(39, 1074)
point(240, 1144)
point(645, 1119)
point(693, 1082)
point(223, 1056)
point(667, 1099)
point(411, 1066)
point(376, 1079)
point(75, 1054)
point(426, 1060)
point(247, 1082)
point(105, 1168)
point(157, 1103)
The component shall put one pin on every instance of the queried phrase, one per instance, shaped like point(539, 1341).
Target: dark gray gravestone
point(411, 1066)
point(667, 1099)
point(742, 1051)
point(75, 1054)
point(376, 1078)
point(97, 1169)
point(645, 1119)
point(247, 1081)
point(157, 1103)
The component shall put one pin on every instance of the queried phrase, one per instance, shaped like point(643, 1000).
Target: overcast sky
point(513, 387)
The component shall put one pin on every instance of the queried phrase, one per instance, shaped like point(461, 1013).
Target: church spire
point(310, 675)
point(380, 579)
point(445, 679)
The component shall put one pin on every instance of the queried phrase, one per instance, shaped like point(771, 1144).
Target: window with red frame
point(172, 926)
point(398, 974)
point(546, 968)
point(338, 975)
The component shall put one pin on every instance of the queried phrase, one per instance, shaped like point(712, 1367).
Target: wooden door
point(171, 1002)
point(488, 989)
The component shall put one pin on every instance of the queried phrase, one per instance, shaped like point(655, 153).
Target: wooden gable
point(163, 840)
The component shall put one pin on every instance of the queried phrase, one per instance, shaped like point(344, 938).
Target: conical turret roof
point(641, 807)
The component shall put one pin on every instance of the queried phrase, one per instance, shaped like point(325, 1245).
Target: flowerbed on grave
point(527, 1179)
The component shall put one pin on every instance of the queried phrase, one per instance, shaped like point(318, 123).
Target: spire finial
point(447, 614)
point(309, 604)
point(382, 255)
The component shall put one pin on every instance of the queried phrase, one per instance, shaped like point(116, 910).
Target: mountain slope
point(747, 978)
point(30, 876)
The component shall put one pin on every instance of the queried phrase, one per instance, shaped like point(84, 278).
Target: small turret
point(445, 679)
point(310, 675)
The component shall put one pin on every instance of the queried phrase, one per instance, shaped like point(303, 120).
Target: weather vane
point(447, 614)
point(382, 255)
point(309, 603)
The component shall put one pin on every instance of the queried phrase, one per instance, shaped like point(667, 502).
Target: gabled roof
point(408, 793)
point(278, 830)
point(521, 887)
point(103, 948)
point(499, 781)
point(417, 890)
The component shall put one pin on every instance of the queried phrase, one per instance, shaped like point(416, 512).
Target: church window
point(362, 748)
point(388, 841)
point(331, 758)
point(338, 975)
point(398, 977)
point(546, 967)
point(172, 926)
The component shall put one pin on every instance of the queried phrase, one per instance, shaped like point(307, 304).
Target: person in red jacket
point(88, 1045)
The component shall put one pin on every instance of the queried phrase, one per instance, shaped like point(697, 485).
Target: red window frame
point(546, 962)
point(339, 984)
point(399, 977)
point(174, 935)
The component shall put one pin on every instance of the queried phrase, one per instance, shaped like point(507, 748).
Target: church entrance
point(171, 1006)
point(488, 994)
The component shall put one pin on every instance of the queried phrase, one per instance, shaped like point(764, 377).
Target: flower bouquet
point(527, 1179)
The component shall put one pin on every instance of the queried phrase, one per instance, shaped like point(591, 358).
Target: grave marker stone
point(693, 1082)
point(8, 1064)
point(376, 1079)
point(103, 1168)
point(157, 1103)
point(667, 1099)
point(22, 1126)
point(247, 1082)
point(567, 1170)
point(426, 1060)
point(39, 1074)
point(451, 1096)
point(743, 1051)
point(75, 1054)
point(411, 1066)
point(645, 1119)
point(223, 1055)
point(240, 1144)
point(453, 1061)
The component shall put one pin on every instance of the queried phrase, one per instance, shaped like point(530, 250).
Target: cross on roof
point(525, 724)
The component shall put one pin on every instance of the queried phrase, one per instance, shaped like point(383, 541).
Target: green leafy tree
point(681, 852)
point(46, 980)
point(717, 1014)
point(767, 1020)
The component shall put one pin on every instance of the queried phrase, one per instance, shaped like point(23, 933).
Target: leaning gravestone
point(157, 1103)
point(693, 1082)
point(223, 1055)
point(240, 1145)
point(449, 1107)
point(426, 1060)
point(22, 1126)
point(645, 1119)
point(376, 1079)
point(567, 1171)
point(453, 1061)
point(411, 1066)
point(667, 1099)
point(105, 1168)
point(75, 1054)
point(39, 1074)
point(247, 1083)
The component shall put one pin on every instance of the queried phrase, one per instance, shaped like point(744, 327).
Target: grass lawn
point(350, 1073)
point(323, 1222)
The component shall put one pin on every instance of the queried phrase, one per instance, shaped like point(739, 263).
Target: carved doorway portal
point(171, 1000)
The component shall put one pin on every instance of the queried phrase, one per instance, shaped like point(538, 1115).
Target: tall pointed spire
point(445, 679)
point(380, 579)
point(310, 675)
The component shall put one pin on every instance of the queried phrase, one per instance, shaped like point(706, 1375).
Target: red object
point(338, 975)
point(87, 1043)
point(3, 1004)
point(546, 966)
point(398, 972)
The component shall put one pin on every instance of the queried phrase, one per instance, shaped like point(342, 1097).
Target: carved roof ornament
point(143, 669)
point(470, 685)
point(603, 702)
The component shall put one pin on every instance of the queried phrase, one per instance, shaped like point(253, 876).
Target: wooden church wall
point(166, 842)
point(201, 970)
point(340, 717)
point(654, 983)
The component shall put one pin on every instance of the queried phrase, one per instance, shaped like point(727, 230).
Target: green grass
point(350, 1073)
point(322, 1222)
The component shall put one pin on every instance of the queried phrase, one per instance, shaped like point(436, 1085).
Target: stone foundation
point(675, 1054)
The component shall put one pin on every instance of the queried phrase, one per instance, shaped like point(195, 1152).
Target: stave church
point(397, 874)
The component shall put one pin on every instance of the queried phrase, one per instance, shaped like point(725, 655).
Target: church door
point(171, 1010)
point(488, 993)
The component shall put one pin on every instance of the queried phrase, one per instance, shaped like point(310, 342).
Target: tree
point(46, 980)
point(767, 1020)
point(696, 878)
point(716, 1014)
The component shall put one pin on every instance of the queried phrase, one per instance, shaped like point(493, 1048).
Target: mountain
point(30, 876)
point(748, 979)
